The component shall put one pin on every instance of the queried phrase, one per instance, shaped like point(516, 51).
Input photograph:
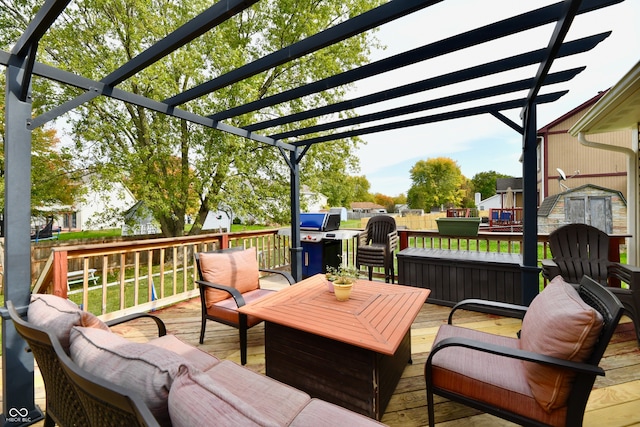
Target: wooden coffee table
point(349, 353)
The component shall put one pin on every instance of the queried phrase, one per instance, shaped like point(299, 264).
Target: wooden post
point(403, 236)
point(60, 269)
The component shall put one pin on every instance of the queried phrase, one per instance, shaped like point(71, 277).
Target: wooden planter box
point(463, 227)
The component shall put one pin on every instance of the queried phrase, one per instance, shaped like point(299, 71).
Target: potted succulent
point(342, 279)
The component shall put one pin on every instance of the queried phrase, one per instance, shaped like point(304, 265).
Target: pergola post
point(17, 365)
point(530, 269)
point(296, 248)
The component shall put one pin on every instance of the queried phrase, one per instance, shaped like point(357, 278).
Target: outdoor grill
point(321, 241)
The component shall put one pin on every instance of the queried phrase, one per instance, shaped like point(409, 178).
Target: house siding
point(603, 168)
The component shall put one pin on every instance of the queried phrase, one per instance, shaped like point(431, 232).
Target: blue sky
point(483, 143)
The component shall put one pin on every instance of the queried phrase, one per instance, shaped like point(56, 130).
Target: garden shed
point(603, 208)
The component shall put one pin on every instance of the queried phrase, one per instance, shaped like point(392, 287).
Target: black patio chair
point(581, 249)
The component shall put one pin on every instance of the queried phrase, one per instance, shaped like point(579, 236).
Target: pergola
point(21, 66)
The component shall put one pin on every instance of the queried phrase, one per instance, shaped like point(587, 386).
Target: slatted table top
point(376, 317)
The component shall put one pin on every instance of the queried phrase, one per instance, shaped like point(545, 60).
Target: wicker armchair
point(105, 404)
point(63, 406)
point(579, 250)
point(377, 244)
point(73, 396)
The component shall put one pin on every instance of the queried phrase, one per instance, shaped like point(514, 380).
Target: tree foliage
point(385, 201)
point(342, 190)
point(435, 182)
point(485, 183)
point(177, 167)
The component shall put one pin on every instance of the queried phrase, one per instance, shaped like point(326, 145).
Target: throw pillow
point(558, 323)
point(145, 369)
point(237, 269)
point(58, 315)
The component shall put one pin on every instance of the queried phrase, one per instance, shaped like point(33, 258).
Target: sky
point(484, 143)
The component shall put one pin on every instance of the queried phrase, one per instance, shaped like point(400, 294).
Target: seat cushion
point(558, 323)
point(238, 269)
point(58, 315)
point(499, 381)
point(144, 369)
point(319, 413)
point(228, 310)
point(230, 395)
point(201, 360)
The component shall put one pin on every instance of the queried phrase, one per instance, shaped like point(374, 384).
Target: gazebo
point(21, 65)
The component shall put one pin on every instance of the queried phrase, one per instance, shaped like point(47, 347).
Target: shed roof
point(549, 203)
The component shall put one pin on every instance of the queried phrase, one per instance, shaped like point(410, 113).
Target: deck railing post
point(60, 270)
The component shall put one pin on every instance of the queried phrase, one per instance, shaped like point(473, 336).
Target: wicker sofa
point(180, 384)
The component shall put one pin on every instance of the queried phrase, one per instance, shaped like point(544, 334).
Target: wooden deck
point(615, 400)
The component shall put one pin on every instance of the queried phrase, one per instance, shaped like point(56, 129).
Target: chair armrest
point(162, 329)
point(363, 238)
point(233, 292)
point(516, 353)
point(392, 240)
point(626, 273)
point(549, 269)
point(491, 307)
point(284, 274)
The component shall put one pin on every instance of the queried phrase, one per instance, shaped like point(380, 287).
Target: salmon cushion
point(237, 269)
point(558, 323)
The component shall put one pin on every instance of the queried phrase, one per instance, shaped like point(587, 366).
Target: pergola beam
point(494, 67)
point(474, 95)
point(45, 17)
point(95, 88)
point(359, 24)
point(467, 112)
point(506, 27)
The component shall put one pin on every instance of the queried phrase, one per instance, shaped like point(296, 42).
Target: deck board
point(613, 402)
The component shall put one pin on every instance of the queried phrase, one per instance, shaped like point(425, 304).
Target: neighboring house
point(217, 221)
point(510, 191)
point(367, 207)
point(138, 220)
point(600, 207)
point(561, 153)
point(314, 202)
point(99, 209)
point(618, 110)
point(493, 202)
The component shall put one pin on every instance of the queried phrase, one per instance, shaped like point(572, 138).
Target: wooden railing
point(143, 275)
point(113, 279)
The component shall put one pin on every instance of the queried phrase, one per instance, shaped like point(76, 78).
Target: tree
point(485, 183)
point(385, 201)
point(167, 162)
point(435, 182)
point(342, 190)
point(54, 180)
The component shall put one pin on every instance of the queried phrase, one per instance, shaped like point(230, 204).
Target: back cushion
point(58, 315)
point(142, 368)
point(558, 323)
point(238, 269)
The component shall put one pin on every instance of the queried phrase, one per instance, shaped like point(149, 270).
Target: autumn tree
point(435, 182)
point(385, 201)
point(485, 183)
point(167, 162)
